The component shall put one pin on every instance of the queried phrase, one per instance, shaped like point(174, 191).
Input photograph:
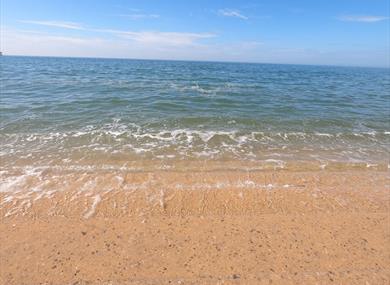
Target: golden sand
point(197, 227)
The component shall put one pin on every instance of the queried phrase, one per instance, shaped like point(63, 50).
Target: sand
point(205, 227)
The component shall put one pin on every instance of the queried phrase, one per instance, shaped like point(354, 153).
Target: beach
point(205, 227)
point(173, 172)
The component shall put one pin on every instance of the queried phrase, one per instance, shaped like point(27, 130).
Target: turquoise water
point(78, 110)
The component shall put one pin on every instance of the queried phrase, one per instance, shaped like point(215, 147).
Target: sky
point(330, 32)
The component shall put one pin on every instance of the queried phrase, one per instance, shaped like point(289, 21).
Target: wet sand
point(205, 227)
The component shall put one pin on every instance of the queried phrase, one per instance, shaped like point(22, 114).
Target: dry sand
point(206, 227)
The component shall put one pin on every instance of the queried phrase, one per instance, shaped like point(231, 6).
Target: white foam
point(324, 135)
point(368, 165)
point(96, 200)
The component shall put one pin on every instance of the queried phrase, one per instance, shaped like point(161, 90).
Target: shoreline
point(206, 227)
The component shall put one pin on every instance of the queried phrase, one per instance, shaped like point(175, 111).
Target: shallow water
point(70, 111)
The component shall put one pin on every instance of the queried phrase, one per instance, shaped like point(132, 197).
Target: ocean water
point(74, 111)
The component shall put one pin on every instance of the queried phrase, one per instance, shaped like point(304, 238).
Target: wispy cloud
point(362, 18)
point(140, 16)
point(144, 37)
point(57, 24)
point(161, 38)
point(232, 13)
point(134, 9)
point(24, 42)
point(157, 45)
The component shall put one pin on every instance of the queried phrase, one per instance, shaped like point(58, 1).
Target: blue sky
point(335, 32)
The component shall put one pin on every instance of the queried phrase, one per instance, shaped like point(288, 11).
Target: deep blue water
point(85, 108)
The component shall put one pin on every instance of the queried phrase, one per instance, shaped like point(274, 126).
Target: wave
point(132, 142)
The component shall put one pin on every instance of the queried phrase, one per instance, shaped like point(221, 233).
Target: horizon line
point(198, 60)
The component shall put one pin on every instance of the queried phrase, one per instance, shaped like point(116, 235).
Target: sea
point(87, 113)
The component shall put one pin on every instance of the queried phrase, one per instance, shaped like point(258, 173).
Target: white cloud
point(232, 13)
point(160, 38)
point(166, 38)
point(16, 42)
point(147, 45)
point(145, 37)
point(133, 9)
point(40, 44)
point(140, 16)
point(111, 43)
point(362, 18)
point(57, 24)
